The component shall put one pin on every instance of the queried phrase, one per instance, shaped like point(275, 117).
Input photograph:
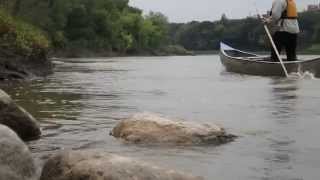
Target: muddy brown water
point(277, 119)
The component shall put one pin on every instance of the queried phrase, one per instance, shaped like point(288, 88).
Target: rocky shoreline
point(16, 161)
point(19, 67)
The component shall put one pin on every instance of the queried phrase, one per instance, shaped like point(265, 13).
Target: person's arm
point(278, 7)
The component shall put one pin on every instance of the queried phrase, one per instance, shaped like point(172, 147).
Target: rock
point(153, 129)
point(18, 119)
point(92, 165)
point(16, 162)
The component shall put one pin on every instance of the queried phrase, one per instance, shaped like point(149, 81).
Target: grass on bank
point(19, 37)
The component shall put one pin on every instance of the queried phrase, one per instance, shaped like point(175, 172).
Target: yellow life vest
point(291, 12)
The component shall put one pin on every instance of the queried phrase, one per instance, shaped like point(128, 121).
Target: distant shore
point(171, 50)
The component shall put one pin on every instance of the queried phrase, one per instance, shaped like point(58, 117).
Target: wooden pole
point(276, 50)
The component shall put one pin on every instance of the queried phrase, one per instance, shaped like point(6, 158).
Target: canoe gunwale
point(242, 62)
point(223, 51)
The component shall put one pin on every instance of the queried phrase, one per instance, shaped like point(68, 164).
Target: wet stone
point(147, 128)
point(18, 119)
point(93, 165)
point(16, 162)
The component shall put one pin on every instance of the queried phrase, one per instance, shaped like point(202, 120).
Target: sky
point(201, 10)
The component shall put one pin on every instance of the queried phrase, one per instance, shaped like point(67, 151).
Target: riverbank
point(170, 50)
point(19, 67)
point(23, 50)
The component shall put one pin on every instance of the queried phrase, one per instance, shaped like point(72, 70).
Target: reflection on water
point(284, 98)
point(276, 118)
point(281, 160)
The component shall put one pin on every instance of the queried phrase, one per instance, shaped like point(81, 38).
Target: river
point(277, 120)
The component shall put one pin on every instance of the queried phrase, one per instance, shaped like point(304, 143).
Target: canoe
point(242, 62)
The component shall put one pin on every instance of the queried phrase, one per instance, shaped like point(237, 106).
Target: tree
point(160, 22)
point(224, 19)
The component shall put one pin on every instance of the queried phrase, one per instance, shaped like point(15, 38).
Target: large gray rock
point(18, 119)
point(92, 165)
point(148, 128)
point(16, 162)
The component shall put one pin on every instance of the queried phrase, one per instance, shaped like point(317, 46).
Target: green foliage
point(245, 33)
point(20, 37)
point(159, 29)
point(314, 49)
point(110, 25)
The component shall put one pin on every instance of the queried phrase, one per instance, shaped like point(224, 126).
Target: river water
point(277, 119)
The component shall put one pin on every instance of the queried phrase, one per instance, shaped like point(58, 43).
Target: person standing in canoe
point(284, 16)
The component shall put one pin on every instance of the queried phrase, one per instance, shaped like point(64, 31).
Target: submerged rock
point(153, 129)
point(18, 119)
point(16, 162)
point(92, 165)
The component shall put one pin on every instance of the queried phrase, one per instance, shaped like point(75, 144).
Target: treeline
point(245, 33)
point(112, 26)
point(98, 25)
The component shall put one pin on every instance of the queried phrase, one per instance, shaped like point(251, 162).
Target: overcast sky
point(188, 10)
